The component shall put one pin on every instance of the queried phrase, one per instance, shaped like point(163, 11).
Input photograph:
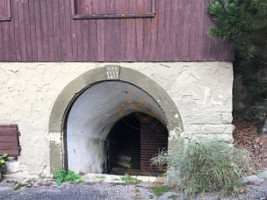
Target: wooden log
point(123, 163)
point(123, 157)
point(123, 160)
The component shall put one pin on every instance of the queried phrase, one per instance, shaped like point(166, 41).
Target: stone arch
point(75, 88)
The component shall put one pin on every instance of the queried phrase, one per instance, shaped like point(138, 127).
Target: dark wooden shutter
point(112, 9)
point(5, 10)
point(9, 142)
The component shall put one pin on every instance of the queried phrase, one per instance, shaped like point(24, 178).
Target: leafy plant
point(63, 175)
point(204, 166)
point(129, 180)
point(160, 190)
point(18, 186)
point(3, 160)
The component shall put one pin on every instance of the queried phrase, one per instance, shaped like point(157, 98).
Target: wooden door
point(154, 137)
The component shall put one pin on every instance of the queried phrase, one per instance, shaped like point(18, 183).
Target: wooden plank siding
point(46, 31)
point(5, 10)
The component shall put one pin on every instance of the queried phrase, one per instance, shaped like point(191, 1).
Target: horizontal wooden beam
point(5, 19)
point(113, 16)
point(9, 133)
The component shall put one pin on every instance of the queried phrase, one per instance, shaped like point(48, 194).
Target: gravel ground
point(47, 190)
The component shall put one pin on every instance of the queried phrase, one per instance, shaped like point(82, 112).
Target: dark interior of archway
point(132, 142)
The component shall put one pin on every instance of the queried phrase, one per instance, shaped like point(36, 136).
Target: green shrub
point(204, 166)
point(63, 175)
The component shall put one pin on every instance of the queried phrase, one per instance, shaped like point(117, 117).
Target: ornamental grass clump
point(204, 166)
point(3, 160)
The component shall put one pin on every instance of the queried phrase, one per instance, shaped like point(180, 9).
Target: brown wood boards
point(9, 142)
point(46, 31)
point(5, 10)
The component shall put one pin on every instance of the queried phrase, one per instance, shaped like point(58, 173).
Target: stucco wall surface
point(202, 93)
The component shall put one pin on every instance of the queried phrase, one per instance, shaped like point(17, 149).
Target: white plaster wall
point(201, 91)
point(93, 115)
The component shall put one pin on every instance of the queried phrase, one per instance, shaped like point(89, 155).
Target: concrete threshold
point(90, 178)
point(110, 178)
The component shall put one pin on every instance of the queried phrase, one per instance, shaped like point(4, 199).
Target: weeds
point(130, 180)
point(160, 190)
point(173, 196)
point(63, 175)
point(17, 186)
point(204, 166)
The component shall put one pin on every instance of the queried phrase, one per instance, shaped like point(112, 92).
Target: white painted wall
point(92, 116)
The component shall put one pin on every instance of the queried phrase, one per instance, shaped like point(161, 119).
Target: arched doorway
point(163, 106)
point(98, 118)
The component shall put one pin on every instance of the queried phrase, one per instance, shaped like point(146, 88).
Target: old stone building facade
point(66, 84)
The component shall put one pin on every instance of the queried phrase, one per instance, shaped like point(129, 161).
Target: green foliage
point(160, 190)
point(63, 175)
point(244, 22)
point(3, 160)
point(17, 186)
point(130, 180)
point(204, 166)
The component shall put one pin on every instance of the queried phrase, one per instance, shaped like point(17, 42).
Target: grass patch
point(160, 190)
point(204, 166)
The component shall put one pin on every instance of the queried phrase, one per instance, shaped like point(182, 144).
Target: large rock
point(254, 179)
